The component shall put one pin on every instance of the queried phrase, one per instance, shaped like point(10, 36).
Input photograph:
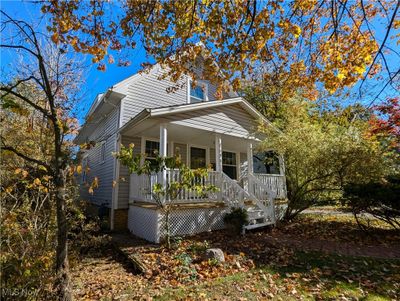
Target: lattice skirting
point(280, 211)
point(149, 223)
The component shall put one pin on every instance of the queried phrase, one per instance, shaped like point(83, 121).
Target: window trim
point(189, 157)
point(144, 147)
point(199, 83)
point(103, 147)
point(84, 165)
point(237, 159)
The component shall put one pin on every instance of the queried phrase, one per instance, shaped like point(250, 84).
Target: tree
point(166, 193)
point(386, 122)
point(301, 42)
point(44, 84)
point(323, 152)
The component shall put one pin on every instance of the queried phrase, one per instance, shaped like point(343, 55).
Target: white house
point(189, 122)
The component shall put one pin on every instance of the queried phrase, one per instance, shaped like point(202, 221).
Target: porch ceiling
point(181, 134)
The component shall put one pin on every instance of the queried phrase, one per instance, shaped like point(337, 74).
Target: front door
point(197, 157)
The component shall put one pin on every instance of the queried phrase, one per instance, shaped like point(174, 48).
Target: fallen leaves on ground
point(256, 267)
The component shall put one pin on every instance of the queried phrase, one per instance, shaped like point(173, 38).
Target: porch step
point(255, 213)
point(255, 226)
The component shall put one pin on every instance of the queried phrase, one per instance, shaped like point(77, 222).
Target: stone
point(216, 254)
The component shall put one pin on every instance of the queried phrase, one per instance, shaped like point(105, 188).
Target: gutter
point(143, 115)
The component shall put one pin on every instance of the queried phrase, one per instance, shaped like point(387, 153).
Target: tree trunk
point(63, 286)
point(167, 228)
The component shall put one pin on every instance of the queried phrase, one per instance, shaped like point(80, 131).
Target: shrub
point(381, 200)
point(236, 219)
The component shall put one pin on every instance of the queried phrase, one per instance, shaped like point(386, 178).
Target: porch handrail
point(141, 186)
point(276, 184)
point(263, 194)
point(231, 192)
point(239, 195)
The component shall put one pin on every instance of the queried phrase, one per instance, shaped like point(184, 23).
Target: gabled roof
point(176, 109)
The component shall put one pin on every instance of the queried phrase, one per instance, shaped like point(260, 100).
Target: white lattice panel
point(280, 211)
point(144, 223)
point(191, 221)
point(149, 223)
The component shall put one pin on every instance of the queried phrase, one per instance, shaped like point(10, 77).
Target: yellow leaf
point(95, 182)
point(296, 31)
point(37, 181)
point(359, 69)
point(341, 76)
point(79, 169)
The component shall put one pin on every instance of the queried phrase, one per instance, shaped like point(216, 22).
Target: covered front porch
point(216, 139)
point(230, 160)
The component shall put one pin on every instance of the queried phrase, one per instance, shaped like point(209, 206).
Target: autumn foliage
point(386, 122)
point(304, 42)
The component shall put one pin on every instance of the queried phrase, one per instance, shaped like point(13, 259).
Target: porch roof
point(159, 113)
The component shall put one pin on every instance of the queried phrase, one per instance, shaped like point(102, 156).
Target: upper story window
point(198, 93)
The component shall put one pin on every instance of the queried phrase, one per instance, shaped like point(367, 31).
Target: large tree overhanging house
point(204, 131)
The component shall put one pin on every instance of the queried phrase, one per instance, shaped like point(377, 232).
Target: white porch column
point(218, 153)
point(250, 158)
point(163, 149)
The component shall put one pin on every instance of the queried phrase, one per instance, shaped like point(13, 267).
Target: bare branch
point(10, 90)
point(25, 157)
point(381, 47)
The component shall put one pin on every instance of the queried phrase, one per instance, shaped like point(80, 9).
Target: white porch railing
point(274, 184)
point(141, 187)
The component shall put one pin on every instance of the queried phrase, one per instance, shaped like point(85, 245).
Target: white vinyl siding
point(148, 91)
point(123, 188)
point(102, 166)
point(230, 120)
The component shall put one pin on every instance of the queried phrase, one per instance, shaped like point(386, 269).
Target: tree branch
point(382, 45)
point(25, 157)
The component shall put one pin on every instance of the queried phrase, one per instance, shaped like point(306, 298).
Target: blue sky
point(98, 81)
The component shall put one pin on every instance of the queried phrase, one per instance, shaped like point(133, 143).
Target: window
point(84, 170)
point(266, 163)
point(229, 164)
point(197, 157)
point(151, 150)
point(103, 152)
point(198, 93)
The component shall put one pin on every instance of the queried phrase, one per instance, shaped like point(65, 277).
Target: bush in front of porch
point(324, 151)
point(166, 189)
point(236, 220)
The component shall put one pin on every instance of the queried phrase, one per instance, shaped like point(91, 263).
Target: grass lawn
point(257, 267)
